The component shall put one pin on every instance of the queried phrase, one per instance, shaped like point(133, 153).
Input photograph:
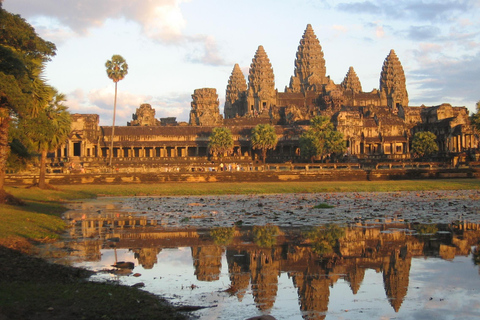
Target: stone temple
point(376, 125)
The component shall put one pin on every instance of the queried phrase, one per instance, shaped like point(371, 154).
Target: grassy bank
point(76, 192)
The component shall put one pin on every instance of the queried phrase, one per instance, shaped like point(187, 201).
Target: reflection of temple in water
point(387, 249)
point(207, 261)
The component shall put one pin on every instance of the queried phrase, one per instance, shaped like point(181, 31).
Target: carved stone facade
point(352, 82)
point(393, 90)
point(205, 110)
point(310, 70)
point(261, 93)
point(235, 96)
point(144, 116)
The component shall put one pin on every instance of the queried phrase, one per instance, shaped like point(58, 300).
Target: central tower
point(310, 71)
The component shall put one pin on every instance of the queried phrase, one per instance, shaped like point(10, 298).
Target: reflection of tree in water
point(222, 235)
point(265, 269)
point(207, 261)
point(325, 239)
point(265, 236)
point(239, 270)
point(147, 257)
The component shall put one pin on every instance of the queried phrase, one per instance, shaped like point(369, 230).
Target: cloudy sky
point(173, 47)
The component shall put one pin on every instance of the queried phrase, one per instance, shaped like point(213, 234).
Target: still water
point(374, 270)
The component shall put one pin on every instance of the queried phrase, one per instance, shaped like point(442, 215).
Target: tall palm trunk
point(41, 178)
point(113, 125)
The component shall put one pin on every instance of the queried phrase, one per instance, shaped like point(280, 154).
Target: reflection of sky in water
point(438, 289)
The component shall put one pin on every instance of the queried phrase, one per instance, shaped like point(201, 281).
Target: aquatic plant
point(323, 205)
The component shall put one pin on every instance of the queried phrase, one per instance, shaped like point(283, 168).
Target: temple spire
point(261, 94)
point(393, 88)
point(310, 70)
point(351, 81)
point(235, 103)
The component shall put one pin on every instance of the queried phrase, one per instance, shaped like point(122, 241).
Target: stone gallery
point(377, 125)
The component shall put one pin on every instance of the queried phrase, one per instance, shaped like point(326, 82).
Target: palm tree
point(264, 138)
point(220, 141)
point(47, 130)
point(117, 69)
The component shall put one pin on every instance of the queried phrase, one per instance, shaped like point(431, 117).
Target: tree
point(424, 144)
point(220, 142)
point(475, 118)
point(263, 138)
point(22, 56)
point(321, 139)
point(117, 69)
point(47, 130)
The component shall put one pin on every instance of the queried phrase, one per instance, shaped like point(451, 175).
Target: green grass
point(75, 192)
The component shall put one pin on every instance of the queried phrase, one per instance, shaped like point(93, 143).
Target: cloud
point(208, 53)
point(423, 33)
point(447, 79)
point(100, 102)
point(160, 20)
point(411, 9)
point(360, 7)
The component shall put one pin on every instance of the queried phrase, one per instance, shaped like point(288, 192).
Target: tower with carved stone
point(261, 93)
point(235, 97)
point(351, 81)
point(204, 111)
point(393, 88)
point(310, 70)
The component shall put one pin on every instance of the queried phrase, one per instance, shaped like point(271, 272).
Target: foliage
point(19, 156)
point(47, 130)
point(323, 205)
point(263, 137)
point(22, 57)
point(475, 118)
point(117, 68)
point(424, 144)
point(321, 139)
point(220, 142)
point(265, 236)
point(324, 239)
point(426, 229)
point(50, 128)
point(222, 235)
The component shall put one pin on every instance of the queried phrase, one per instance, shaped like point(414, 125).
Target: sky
point(173, 47)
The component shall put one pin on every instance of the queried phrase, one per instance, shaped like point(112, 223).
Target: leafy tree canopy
point(263, 138)
point(22, 89)
point(475, 119)
point(424, 144)
point(117, 68)
point(220, 141)
point(321, 139)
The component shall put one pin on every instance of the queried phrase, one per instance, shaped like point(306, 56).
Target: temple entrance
point(77, 148)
